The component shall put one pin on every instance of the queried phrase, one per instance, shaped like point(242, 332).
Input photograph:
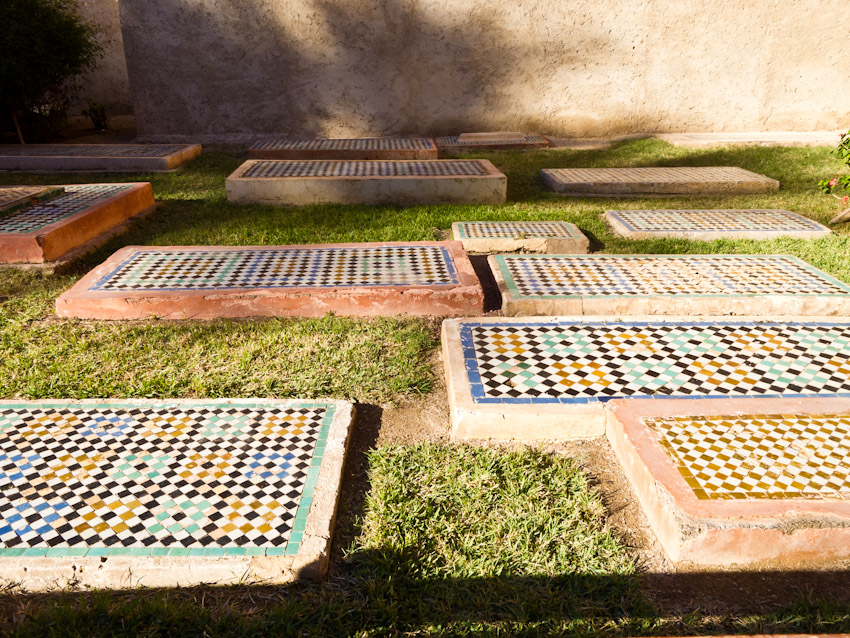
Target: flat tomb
point(551, 378)
point(528, 236)
point(492, 141)
point(366, 182)
point(661, 181)
point(15, 197)
point(368, 148)
point(765, 285)
point(96, 157)
point(740, 481)
point(708, 225)
point(82, 217)
point(129, 493)
point(208, 282)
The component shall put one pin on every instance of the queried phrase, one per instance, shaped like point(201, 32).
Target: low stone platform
point(96, 157)
point(138, 493)
point(209, 282)
point(738, 481)
point(492, 141)
point(531, 236)
point(656, 182)
point(81, 218)
point(367, 182)
point(708, 225)
point(549, 379)
point(764, 285)
point(369, 148)
point(15, 197)
point(756, 138)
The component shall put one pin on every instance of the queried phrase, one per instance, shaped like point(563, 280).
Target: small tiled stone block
point(765, 285)
point(666, 181)
point(370, 148)
point(13, 198)
point(128, 493)
point(96, 157)
point(758, 138)
point(367, 182)
point(82, 217)
point(551, 378)
point(493, 141)
point(738, 481)
point(708, 225)
point(209, 282)
point(534, 237)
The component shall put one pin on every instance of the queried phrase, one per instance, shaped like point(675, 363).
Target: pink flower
point(845, 200)
point(833, 182)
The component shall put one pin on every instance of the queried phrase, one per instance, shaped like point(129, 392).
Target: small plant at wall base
point(44, 47)
point(96, 112)
point(839, 186)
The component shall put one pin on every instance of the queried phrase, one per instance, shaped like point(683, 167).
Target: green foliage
point(839, 182)
point(44, 46)
point(96, 112)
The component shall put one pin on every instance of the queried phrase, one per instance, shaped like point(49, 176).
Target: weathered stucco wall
point(108, 82)
point(564, 67)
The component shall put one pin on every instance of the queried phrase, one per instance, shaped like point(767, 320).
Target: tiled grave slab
point(756, 138)
point(737, 481)
point(128, 493)
point(652, 181)
point(15, 197)
point(768, 285)
point(82, 217)
point(708, 225)
point(208, 282)
point(96, 157)
point(367, 182)
point(550, 378)
point(369, 148)
point(492, 141)
point(530, 236)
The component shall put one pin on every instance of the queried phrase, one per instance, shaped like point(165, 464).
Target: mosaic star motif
point(90, 150)
point(646, 275)
point(713, 220)
point(75, 199)
point(281, 268)
point(760, 456)
point(359, 144)
point(364, 168)
point(542, 362)
point(518, 229)
point(193, 476)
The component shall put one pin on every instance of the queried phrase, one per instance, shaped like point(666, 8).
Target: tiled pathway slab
point(370, 148)
point(532, 236)
point(128, 493)
point(768, 285)
point(207, 282)
point(366, 182)
point(550, 378)
point(740, 481)
point(756, 138)
point(651, 181)
point(15, 197)
point(96, 157)
point(83, 216)
point(467, 142)
point(707, 225)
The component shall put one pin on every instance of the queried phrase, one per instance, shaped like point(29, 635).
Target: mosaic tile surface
point(518, 229)
point(563, 362)
point(673, 174)
point(282, 268)
point(201, 479)
point(454, 140)
point(667, 275)
point(361, 144)
point(75, 199)
point(760, 456)
point(14, 197)
point(364, 168)
point(721, 220)
point(91, 150)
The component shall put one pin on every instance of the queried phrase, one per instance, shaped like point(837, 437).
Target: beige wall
point(108, 83)
point(564, 67)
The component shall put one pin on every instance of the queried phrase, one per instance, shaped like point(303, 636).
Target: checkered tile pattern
point(760, 456)
point(454, 140)
point(91, 150)
point(671, 175)
point(673, 275)
point(551, 362)
point(361, 144)
point(201, 475)
point(200, 269)
point(518, 230)
point(13, 197)
point(723, 220)
point(364, 168)
point(75, 199)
